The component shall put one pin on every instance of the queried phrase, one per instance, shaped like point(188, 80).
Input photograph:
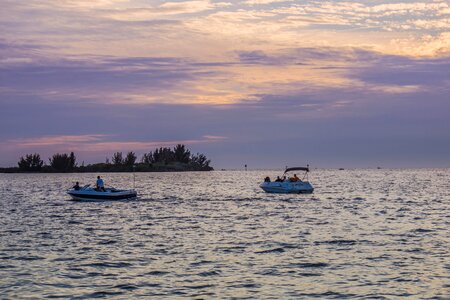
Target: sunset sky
point(267, 83)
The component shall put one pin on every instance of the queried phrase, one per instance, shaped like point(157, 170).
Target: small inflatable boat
point(87, 193)
point(289, 185)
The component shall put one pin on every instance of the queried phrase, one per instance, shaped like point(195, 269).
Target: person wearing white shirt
point(100, 184)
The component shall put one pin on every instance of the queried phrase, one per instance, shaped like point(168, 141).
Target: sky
point(267, 83)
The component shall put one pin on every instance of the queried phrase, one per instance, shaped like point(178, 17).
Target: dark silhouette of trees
point(147, 158)
point(72, 161)
point(200, 161)
point(31, 163)
point(160, 160)
point(181, 154)
point(63, 162)
point(117, 159)
point(165, 155)
point(130, 159)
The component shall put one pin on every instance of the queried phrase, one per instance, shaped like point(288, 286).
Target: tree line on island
point(160, 160)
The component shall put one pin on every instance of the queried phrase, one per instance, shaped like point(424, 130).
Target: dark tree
point(200, 161)
point(62, 162)
point(130, 159)
point(147, 158)
point(181, 154)
point(73, 161)
point(31, 162)
point(156, 155)
point(117, 159)
point(165, 155)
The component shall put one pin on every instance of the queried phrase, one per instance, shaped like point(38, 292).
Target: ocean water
point(361, 234)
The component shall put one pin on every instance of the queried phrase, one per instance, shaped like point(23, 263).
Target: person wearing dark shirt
point(76, 187)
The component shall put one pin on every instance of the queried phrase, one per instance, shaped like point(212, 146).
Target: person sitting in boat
point(294, 178)
point(100, 185)
point(267, 179)
point(76, 187)
point(283, 179)
point(278, 179)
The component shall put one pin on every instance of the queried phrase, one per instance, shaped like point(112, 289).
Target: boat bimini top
point(306, 169)
point(297, 169)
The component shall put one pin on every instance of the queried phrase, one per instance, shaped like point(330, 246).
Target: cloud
point(396, 70)
point(100, 143)
point(86, 4)
point(170, 80)
point(427, 45)
point(163, 79)
point(327, 126)
point(55, 140)
point(254, 72)
point(259, 2)
point(177, 28)
point(166, 9)
point(132, 80)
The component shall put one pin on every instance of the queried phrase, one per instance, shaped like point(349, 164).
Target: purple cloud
point(331, 126)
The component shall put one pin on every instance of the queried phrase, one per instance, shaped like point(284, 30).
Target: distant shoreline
point(165, 159)
point(3, 171)
point(139, 168)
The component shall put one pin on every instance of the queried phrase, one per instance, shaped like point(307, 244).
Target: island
point(162, 159)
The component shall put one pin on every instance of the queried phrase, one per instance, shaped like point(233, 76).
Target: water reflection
point(363, 233)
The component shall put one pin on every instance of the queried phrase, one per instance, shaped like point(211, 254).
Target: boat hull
point(108, 195)
point(299, 187)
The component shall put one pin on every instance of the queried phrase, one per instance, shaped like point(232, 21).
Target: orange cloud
point(56, 140)
point(97, 143)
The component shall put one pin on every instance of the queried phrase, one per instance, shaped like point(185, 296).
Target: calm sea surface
point(362, 234)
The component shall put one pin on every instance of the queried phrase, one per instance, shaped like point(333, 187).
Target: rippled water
point(362, 234)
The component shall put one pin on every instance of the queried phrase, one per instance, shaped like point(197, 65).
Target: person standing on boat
point(100, 184)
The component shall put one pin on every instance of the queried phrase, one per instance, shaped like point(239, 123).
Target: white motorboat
point(289, 185)
point(87, 193)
